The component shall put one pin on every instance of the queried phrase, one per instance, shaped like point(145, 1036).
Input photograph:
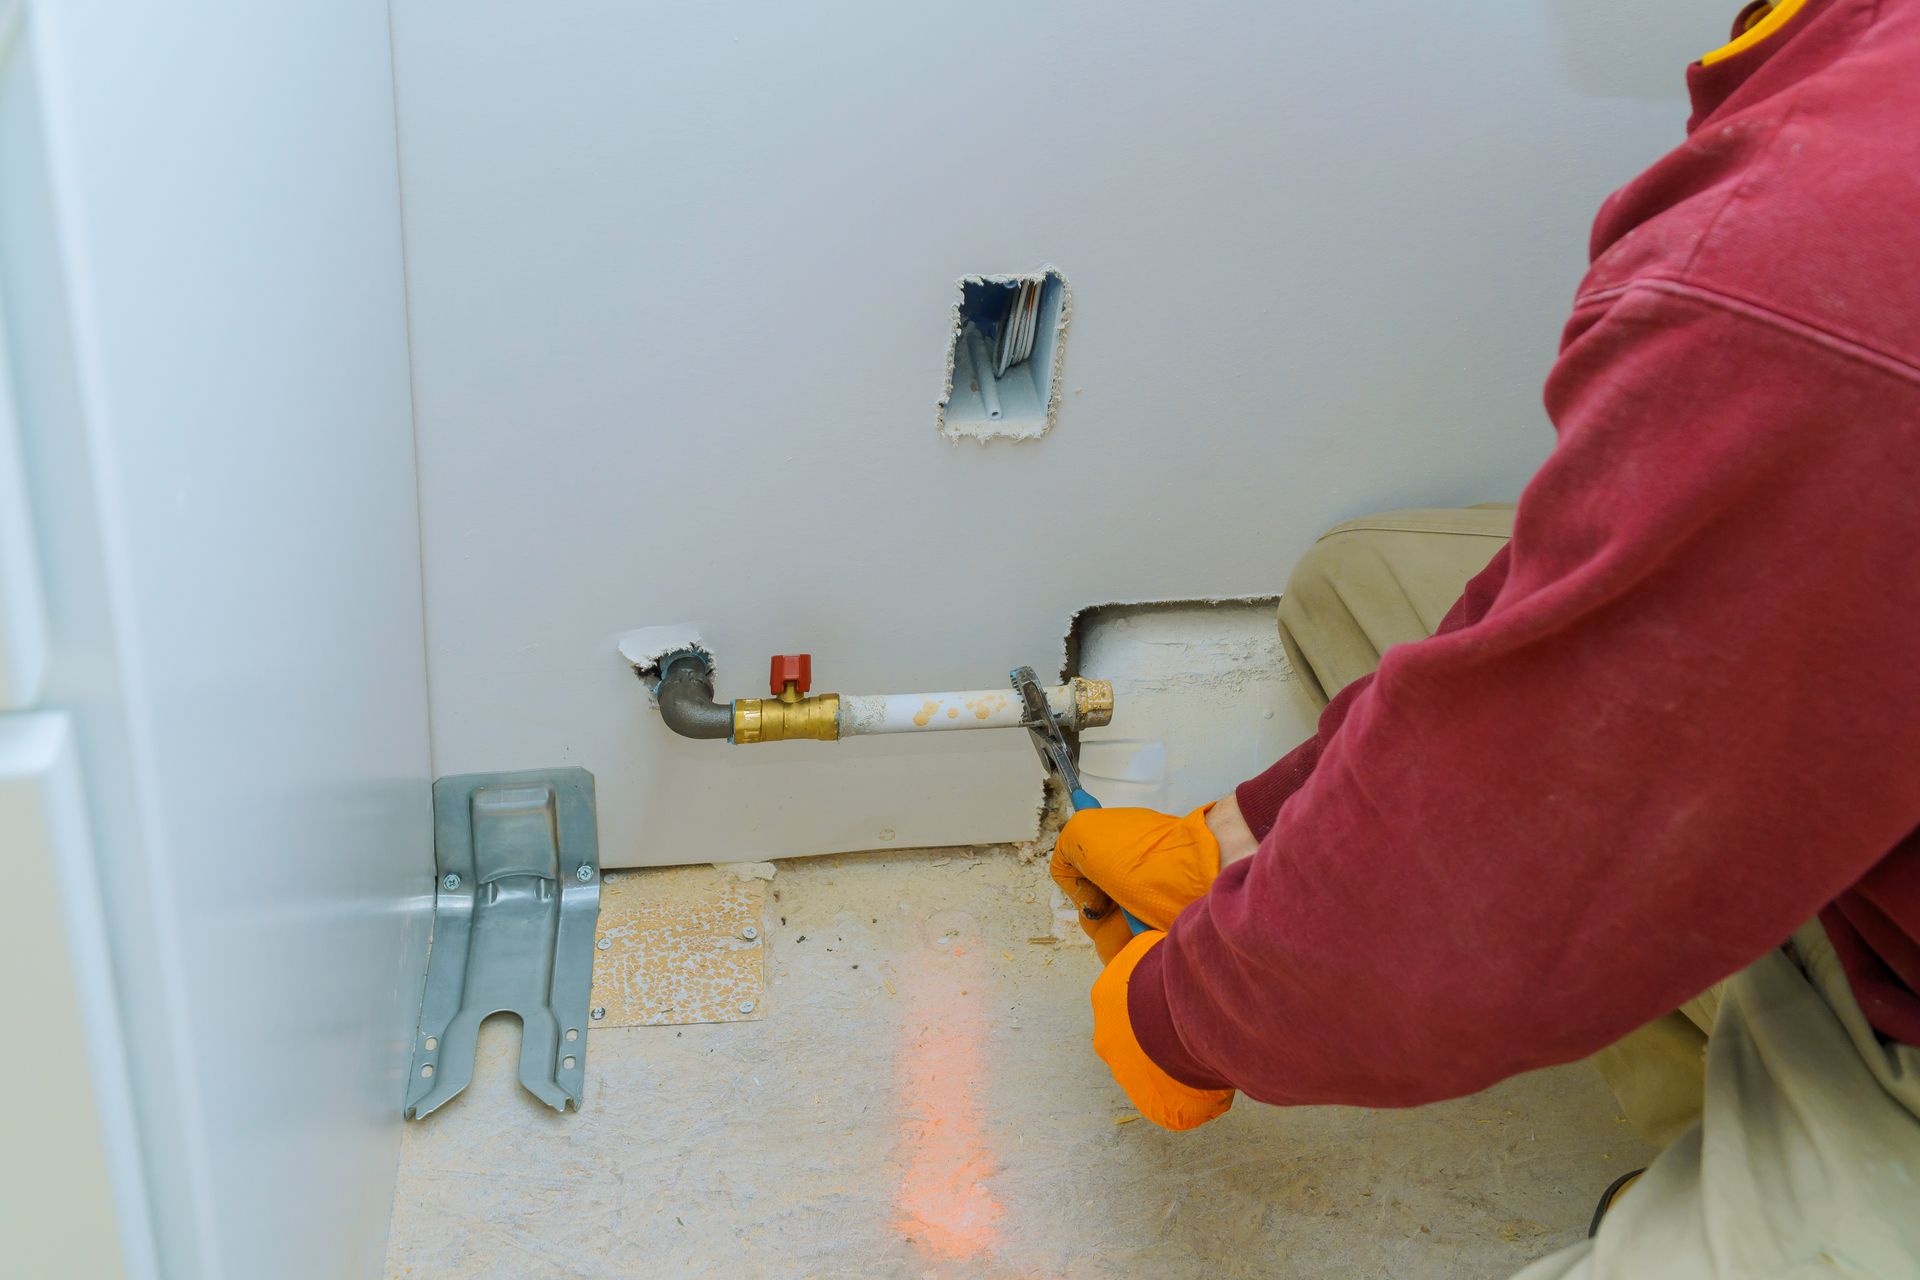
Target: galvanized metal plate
point(517, 896)
point(680, 945)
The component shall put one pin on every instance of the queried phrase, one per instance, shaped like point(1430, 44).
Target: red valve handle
point(791, 668)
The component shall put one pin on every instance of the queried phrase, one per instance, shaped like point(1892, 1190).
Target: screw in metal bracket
point(584, 874)
point(749, 933)
point(450, 882)
point(598, 1013)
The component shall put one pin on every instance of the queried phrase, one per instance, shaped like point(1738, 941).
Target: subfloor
point(920, 1100)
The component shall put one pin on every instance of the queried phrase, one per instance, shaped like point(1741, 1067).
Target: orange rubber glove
point(1160, 1097)
point(1151, 863)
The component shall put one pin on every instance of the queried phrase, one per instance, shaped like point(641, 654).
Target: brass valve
point(774, 719)
point(789, 713)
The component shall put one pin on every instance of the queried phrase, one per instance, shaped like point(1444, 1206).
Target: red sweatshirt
point(1679, 715)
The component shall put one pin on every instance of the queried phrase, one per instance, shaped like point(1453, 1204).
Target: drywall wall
point(681, 281)
point(203, 282)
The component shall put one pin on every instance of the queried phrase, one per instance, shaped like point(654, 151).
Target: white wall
point(208, 332)
point(680, 279)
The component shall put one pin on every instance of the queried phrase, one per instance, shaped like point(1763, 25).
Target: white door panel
point(70, 1166)
point(23, 618)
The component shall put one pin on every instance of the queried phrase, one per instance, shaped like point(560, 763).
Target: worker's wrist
point(1152, 1023)
point(1230, 830)
point(1259, 798)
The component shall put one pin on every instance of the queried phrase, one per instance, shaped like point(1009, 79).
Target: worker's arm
point(1257, 801)
point(1681, 727)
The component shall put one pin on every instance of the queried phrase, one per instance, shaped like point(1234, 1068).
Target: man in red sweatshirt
point(1668, 738)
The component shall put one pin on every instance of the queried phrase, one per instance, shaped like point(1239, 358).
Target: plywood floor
point(920, 1101)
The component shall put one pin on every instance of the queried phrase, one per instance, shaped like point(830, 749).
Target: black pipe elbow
point(685, 694)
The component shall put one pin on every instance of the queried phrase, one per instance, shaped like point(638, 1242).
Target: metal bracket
point(517, 897)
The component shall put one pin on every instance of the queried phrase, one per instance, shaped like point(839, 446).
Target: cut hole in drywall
point(1003, 356)
point(1203, 699)
point(645, 649)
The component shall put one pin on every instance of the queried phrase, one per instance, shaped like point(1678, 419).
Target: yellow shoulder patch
point(1759, 28)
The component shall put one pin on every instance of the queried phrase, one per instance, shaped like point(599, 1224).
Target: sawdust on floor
point(677, 945)
point(921, 1101)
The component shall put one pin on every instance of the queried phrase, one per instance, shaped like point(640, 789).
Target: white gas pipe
point(1076, 705)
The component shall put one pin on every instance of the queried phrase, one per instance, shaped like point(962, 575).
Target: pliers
point(1038, 720)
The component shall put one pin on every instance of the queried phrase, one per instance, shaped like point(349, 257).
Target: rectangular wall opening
point(1004, 356)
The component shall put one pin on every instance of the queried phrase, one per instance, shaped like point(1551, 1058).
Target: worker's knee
point(1340, 611)
point(1311, 588)
point(1379, 581)
point(1343, 559)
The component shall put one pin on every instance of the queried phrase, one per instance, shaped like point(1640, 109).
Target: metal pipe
point(685, 694)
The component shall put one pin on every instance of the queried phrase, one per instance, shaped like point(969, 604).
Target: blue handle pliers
point(1038, 719)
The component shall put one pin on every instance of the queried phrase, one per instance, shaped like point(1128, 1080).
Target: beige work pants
point(1791, 1133)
